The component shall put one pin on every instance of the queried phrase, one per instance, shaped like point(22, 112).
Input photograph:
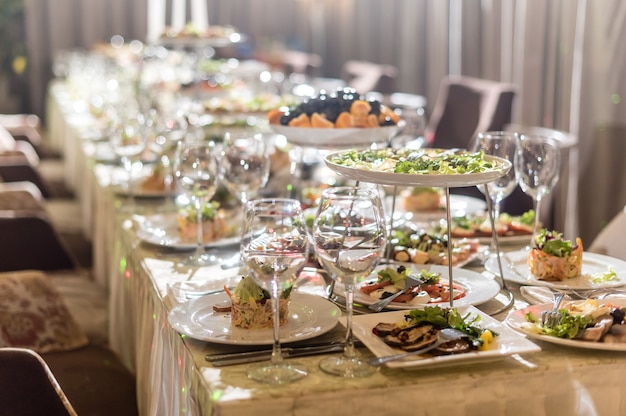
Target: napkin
point(540, 295)
point(537, 295)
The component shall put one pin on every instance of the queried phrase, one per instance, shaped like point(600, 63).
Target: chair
point(300, 62)
point(366, 76)
point(30, 238)
point(610, 240)
point(466, 106)
point(59, 321)
point(27, 128)
point(28, 387)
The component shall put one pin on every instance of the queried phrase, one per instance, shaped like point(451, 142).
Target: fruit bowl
point(337, 137)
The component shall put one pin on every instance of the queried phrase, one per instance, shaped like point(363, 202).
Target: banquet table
point(173, 378)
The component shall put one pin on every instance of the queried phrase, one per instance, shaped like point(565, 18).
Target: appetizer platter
point(309, 316)
point(338, 119)
point(559, 263)
point(589, 324)
point(422, 167)
point(511, 229)
point(173, 231)
point(417, 246)
point(470, 288)
point(488, 339)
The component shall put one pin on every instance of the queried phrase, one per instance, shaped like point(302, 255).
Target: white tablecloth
point(174, 379)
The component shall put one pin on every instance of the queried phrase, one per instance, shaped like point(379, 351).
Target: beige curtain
point(565, 56)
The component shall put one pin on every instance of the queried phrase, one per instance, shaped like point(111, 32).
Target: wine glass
point(349, 237)
point(196, 172)
point(245, 165)
point(537, 166)
point(274, 248)
point(129, 142)
point(501, 144)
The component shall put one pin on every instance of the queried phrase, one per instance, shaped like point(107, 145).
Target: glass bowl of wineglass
point(128, 141)
point(502, 144)
point(196, 173)
point(537, 166)
point(274, 249)
point(349, 234)
point(244, 165)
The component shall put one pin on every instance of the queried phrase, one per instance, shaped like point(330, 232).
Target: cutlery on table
point(445, 335)
point(222, 360)
point(551, 318)
point(410, 282)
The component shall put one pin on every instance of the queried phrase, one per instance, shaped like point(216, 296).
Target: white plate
point(516, 320)
point(336, 138)
point(507, 343)
point(309, 316)
point(162, 230)
point(480, 289)
point(592, 264)
point(428, 180)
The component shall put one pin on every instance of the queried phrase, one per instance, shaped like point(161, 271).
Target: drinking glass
point(501, 144)
point(245, 165)
point(129, 141)
point(349, 237)
point(537, 165)
point(196, 172)
point(274, 248)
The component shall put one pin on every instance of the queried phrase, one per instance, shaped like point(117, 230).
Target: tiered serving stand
point(331, 140)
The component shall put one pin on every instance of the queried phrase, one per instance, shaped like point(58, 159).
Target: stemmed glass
point(349, 237)
point(128, 142)
point(274, 248)
point(245, 165)
point(501, 144)
point(196, 172)
point(537, 166)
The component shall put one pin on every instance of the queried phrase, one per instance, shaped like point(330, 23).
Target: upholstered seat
point(366, 76)
point(62, 316)
point(466, 106)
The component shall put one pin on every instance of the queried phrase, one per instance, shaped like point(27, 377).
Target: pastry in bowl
point(554, 258)
point(252, 306)
point(213, 222)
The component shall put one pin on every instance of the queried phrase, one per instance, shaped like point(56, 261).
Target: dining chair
point(366, 76)
point(299, 62)
point(28, 386)
point(63, 318)
point(29, 128)
point(466, 106)
point(610, 240)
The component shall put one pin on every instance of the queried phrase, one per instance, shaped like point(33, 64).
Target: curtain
point(564, 56)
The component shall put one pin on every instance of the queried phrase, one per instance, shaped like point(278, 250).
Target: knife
point(222, 360)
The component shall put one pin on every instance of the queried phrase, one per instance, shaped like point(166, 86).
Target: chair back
point(466, 106)
point(28, 387)
point(30, 242)
point(610, 240)
point(366, 76)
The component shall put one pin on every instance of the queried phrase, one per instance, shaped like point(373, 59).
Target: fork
point(550, 319)
point(410, 281)
point(445, 335)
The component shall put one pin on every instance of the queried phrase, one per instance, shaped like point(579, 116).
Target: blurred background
point(563, 56)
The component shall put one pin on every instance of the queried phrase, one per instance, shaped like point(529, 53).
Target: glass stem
point(537, 215)
point(200, 245)
point(495, 204)
point(277, 356)
point(348, 350)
